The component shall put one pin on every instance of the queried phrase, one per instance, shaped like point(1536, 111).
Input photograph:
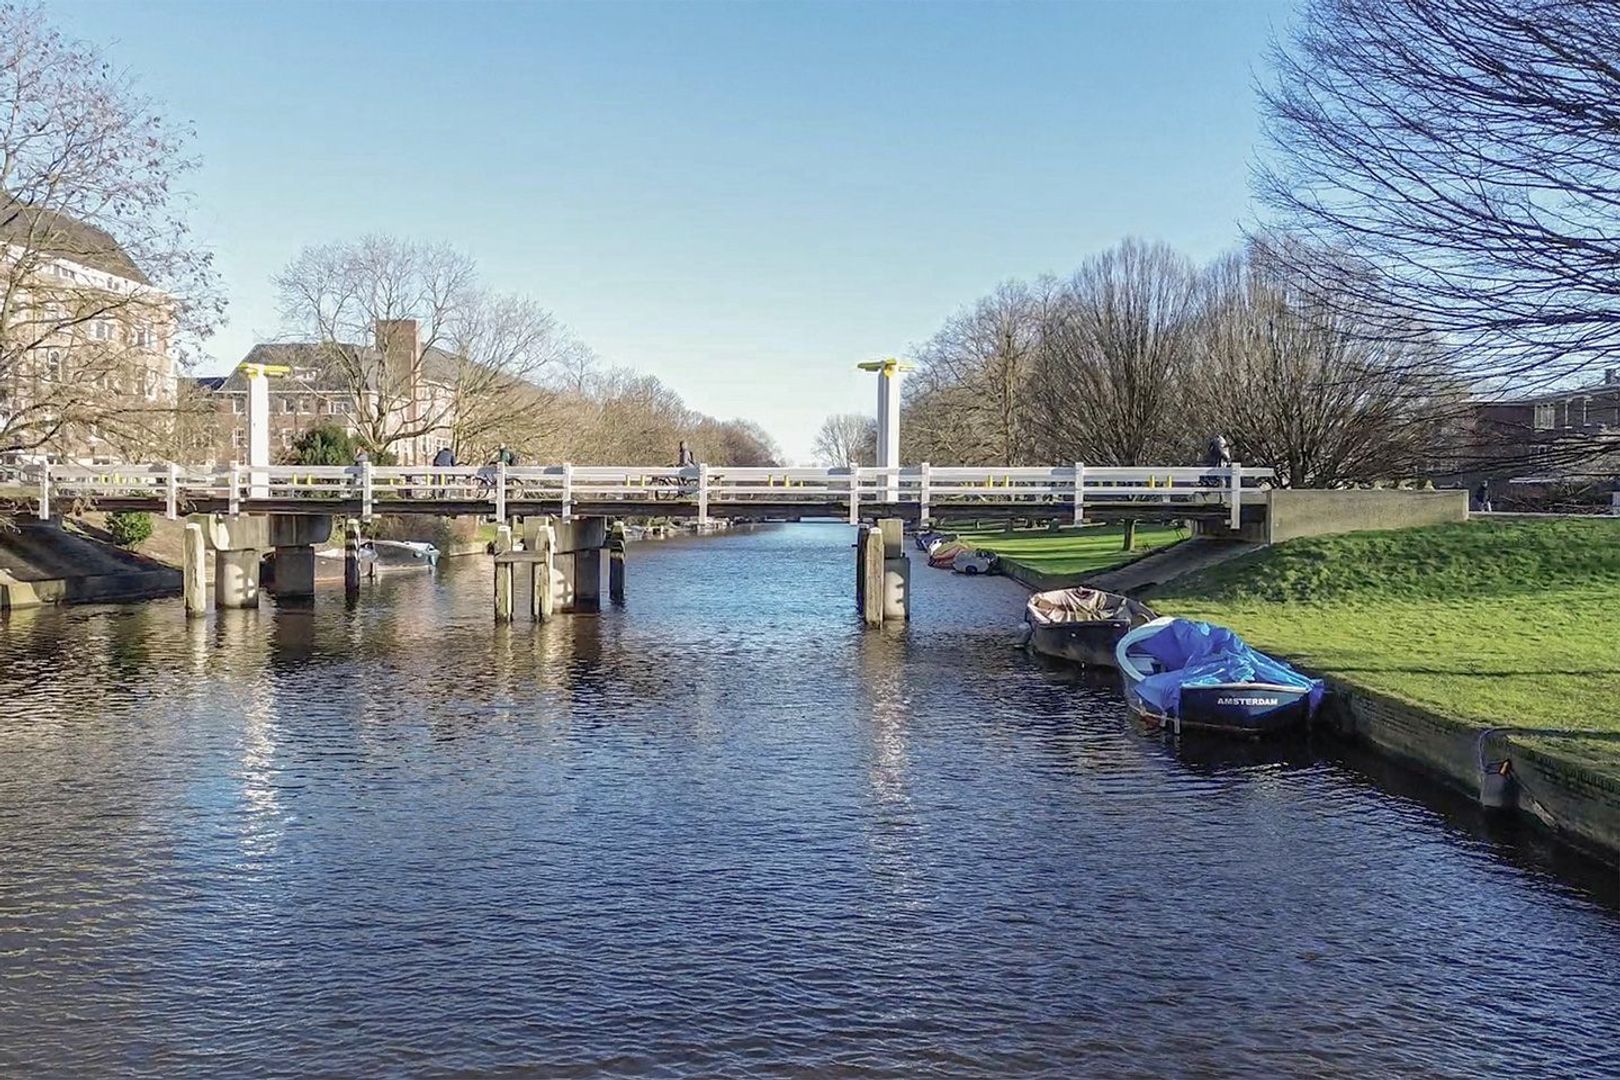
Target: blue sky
point(743, 199)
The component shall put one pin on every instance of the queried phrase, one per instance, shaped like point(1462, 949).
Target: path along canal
point(723, 831)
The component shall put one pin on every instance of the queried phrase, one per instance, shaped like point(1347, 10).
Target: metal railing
point(171, 488)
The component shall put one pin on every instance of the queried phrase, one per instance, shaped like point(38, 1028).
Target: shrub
point(325, 445)
point(129, 527)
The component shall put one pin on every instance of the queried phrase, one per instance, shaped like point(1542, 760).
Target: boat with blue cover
point(1186, 674)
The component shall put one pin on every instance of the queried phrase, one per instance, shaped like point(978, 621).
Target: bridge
point(919, 494)
point(553, 519)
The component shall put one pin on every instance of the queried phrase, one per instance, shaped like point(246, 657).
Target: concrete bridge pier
point(240, 540)
point(194, 571)
point(882, 573)
point(580, 543)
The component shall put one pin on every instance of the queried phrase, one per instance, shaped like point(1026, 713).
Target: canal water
point(727, 832)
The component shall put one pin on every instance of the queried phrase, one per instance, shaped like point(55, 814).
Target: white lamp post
point(888, 421)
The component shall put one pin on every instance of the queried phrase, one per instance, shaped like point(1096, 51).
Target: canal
point(724, 832)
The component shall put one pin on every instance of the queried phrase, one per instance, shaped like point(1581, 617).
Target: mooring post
point(194, 571)
point(351, 558)
point(616, 552)
point(872, 605)
point(896, 570)
point(860, 569)
point(503, 573)
point(542, 579)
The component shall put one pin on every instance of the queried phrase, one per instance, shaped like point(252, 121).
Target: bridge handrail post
point(45, 492)
point(171, 508)
point(703, 493)
point(234, 497)
point(1079, 493)
point(854, 494)
point(365, 491)
point(925, 494)
point(500, 493)
point(568, 491)
point(1235, 476)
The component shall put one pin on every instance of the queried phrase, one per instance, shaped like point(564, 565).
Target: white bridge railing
point(173, 488)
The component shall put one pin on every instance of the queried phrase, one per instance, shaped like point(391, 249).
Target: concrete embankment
point(1481, 654)
point(43, 563)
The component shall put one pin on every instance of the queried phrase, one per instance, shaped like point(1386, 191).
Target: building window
point(287, 405)
point(303, 404)
point(143, 336)
point(340, 408)
point(238, 438)
point(1544, 417)
point(101, 330)
point(53, 365)
point(238, 405)
point(286, 438)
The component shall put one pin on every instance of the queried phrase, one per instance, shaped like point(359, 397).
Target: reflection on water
point(726, 831)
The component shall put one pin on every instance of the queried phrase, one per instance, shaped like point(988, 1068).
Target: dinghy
point(1185, 674)
point(1082, 625)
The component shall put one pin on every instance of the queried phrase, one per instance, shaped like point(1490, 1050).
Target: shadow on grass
point(1500, 674)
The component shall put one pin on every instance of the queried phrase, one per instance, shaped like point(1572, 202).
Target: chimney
point(397, 341)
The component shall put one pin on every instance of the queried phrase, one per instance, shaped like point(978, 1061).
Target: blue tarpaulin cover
point(1199, 654)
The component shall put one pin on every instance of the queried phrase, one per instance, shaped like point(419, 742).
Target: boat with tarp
point(1186, 674)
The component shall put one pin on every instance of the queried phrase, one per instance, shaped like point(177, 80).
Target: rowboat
point(1082, 625)
point(1184, 674)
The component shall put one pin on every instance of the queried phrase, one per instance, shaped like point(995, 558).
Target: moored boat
point(1186, 674)
point(1082, 625)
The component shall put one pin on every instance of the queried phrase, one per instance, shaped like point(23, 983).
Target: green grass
point(1072, 551)
point(1491, 623)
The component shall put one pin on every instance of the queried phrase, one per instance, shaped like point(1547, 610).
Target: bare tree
point(1297, 382)
point(1112, 381)
point(975, 371)
point(847, 439)
point(1470, 151)
point(420, 348)
point(103, 291)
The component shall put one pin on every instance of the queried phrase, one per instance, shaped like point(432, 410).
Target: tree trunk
point(1130, 535)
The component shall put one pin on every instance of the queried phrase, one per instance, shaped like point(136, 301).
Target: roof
point(209, 382)
point(62, 237)
point(1609, 384)
point(310, 370)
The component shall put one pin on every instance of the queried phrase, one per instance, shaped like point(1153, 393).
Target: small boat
point(404, 554)
point(942, 556)
point(1185, 674)
point(1082, 625)
point(973, 563)
point(929, 539)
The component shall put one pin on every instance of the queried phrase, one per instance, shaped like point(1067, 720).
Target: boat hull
point(1088, 643)
point(1251, 710)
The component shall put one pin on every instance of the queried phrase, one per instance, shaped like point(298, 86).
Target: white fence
point(171, 488)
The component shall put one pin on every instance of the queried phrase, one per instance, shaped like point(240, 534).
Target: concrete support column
point(295, 571)
point(616, 553)
point(583, 539)
point(236, 578)
point(194, 571)
point(503, 574)
point(896, 571)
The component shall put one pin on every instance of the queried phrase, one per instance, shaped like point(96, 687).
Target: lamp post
point(888, 421)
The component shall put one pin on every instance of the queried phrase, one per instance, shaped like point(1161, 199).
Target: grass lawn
point(1072, 551)
point(1492, 623)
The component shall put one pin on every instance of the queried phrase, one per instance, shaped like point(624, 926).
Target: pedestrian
point(361, 457)
point(445, 458)
point(1482, 497)
point(504, 456)
point(685, 458)
point(1216, 454)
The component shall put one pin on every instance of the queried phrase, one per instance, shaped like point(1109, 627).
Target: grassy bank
point(1491, 623)
point(1072, 552)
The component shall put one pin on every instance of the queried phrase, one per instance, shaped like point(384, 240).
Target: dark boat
point(1183, 674)
point(1082, 625)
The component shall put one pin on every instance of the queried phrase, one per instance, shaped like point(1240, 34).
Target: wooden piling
point(503, 575)
point(194, 571)
point(542, 578)
point(896, 571)
point(351, 558)
point(616, 553)
point(872, 580)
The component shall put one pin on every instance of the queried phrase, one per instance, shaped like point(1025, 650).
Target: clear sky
point(743, 199)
